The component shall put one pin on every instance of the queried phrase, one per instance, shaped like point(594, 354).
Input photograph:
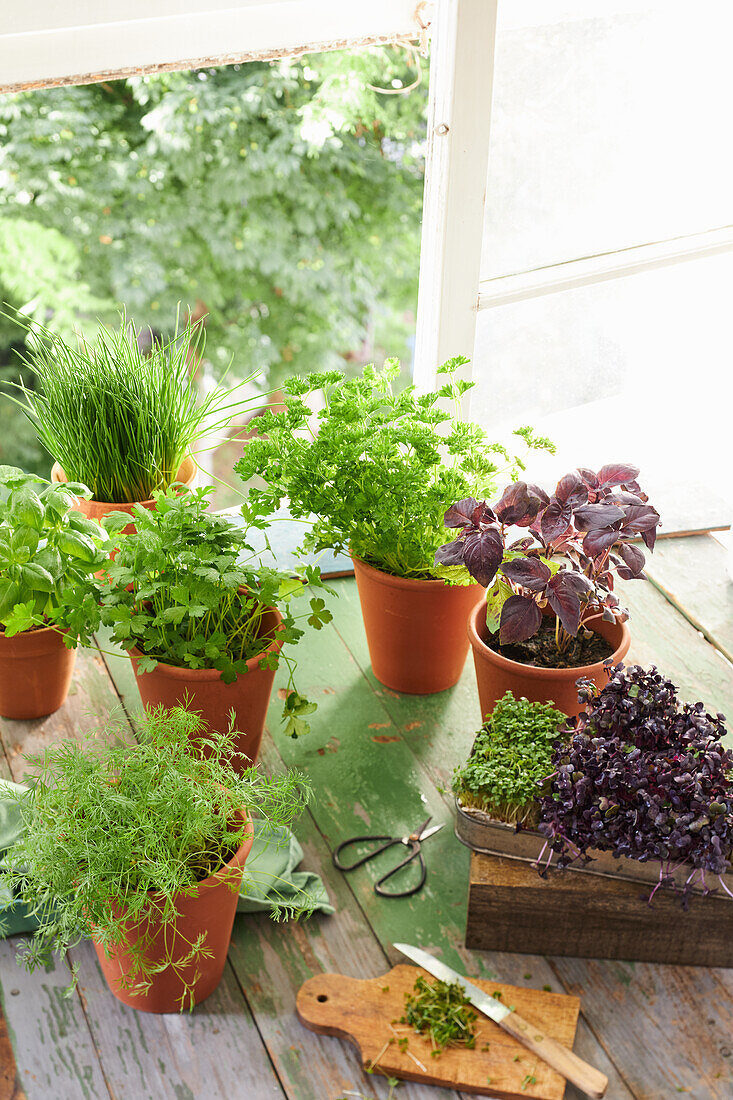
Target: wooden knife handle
point(573, 1068)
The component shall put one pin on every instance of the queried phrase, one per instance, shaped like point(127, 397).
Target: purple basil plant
point(575, 540)
point(640, 775)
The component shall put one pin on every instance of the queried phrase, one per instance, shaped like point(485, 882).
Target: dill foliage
point(375, 477)
point(511, 757)
point(117, 833)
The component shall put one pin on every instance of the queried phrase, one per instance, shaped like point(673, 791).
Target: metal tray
point(484, 834)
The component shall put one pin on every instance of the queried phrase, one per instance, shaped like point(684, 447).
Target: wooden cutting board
point(366, 1013)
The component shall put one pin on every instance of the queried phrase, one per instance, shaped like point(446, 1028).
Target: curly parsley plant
point(377, 474)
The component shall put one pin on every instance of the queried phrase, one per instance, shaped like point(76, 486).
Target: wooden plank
point(663, 637)
point(89, 705)
point(166, 1057)
point(53, 1048)
point(510, 908)
point(692, 574)
point(682, 1016)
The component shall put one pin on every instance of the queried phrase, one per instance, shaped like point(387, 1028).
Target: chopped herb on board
point(441, 1011)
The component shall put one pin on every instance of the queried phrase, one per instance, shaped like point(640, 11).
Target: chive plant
point(118, 418)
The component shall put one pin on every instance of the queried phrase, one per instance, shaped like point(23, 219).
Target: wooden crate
point(510, 908)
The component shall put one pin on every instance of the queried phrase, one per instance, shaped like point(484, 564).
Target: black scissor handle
point(388, 842)
point(415, 853)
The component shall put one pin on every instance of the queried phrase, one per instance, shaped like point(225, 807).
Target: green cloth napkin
point(270, 884)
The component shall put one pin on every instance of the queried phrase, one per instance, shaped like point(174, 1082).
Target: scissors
point(413, 842)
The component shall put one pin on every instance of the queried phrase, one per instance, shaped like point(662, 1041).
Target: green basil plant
point(46, 550)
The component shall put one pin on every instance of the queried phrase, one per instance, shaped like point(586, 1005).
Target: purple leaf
point(564, 601)
point(591, 516)
point(595, 542)
point(461, 513)
point(482, 554)
point(616, 473)
point(633, 557)
point(588, 477)
point(520, 619)
point(518, 505)
point(642, 519)
point(531, 573)
point(451, 553)
point(571, 489)
point(556, 519)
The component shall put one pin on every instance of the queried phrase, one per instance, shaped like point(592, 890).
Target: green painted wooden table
point(378, 761)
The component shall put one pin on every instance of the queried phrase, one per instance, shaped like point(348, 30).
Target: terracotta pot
point(415, 629)
point(97, 509)
point(210, 909)
point(35, 673)
point(496, 674)
point(204, 691)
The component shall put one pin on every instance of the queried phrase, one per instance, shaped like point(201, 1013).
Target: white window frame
point(51, 42)
point(459, 123)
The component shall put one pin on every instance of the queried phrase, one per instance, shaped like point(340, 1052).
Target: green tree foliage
point(284, 198)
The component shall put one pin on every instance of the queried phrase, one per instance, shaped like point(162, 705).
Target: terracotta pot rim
point(414, 583)
point(40, 640)
point(235, 863)
point(534, 670)
point(175, 672)
point(58, 475)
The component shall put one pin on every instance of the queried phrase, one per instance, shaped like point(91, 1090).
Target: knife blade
point(590, 1080)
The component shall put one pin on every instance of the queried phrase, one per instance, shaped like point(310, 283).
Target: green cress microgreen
point(107, 825)
point(378, 473)
point(511, 757)
point(443, 1012)
point(45, 549)
point(187, 589)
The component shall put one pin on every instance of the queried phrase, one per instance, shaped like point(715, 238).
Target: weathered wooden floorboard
point(367, 782)
point(214, 1052)
point(661, 636)
point(670, 1027)
point(91, 702)
point(53, 1047)
point(273, 961)
point(692, 574)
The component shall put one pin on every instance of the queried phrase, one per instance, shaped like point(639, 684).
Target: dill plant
point(118, 418)
point(511, 759)
point(116, 834)
point(377, 474)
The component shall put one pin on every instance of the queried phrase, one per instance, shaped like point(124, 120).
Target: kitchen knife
point(585, 1077)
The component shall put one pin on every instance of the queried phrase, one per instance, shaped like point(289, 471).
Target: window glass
point(610, 128)
point(636, 369)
